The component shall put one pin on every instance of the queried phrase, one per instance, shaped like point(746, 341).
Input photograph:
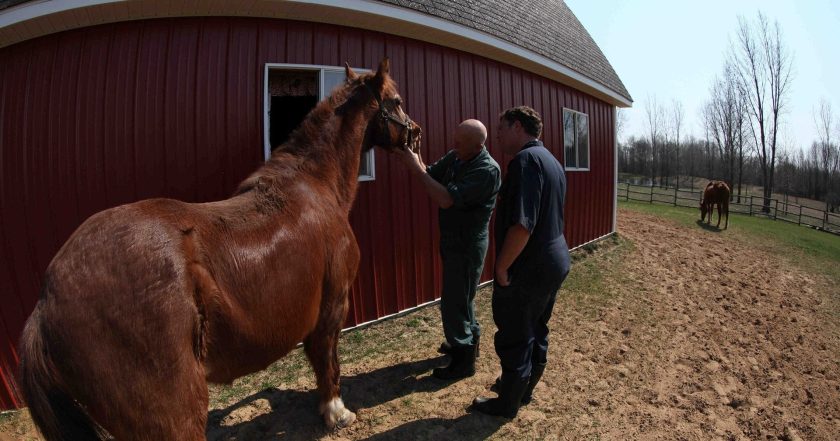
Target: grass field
point(803, 246)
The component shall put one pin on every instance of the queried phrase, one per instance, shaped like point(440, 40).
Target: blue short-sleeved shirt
point(533, 195)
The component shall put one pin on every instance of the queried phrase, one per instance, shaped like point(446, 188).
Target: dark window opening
point(293, 94)
point(287, 112)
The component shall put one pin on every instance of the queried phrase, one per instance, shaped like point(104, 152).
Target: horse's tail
point(54, 411)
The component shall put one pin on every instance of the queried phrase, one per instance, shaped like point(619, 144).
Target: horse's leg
point(726, 211)
point(719, 214)
point(321, 347)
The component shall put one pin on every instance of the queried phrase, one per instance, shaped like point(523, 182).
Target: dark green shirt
point(473, 186)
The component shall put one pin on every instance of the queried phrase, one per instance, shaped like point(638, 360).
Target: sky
point(673, 50)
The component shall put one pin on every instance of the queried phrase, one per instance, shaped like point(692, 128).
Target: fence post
point(825, 219)
point(776, 211)
point(675, 193)
point(751, 205)
point(651, 193)
point(800, 216)
point(628, 192)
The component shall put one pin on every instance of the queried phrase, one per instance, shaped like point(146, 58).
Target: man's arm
point(515, 240)
point(417, 168)
point(526, 188)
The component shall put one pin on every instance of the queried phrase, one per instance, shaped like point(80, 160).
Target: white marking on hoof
point(336, 415)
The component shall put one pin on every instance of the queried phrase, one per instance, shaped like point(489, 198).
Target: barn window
point(291, 91)
point(576, 140)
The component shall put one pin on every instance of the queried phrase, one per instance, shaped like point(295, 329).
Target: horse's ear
point(349, 72)
point(384, 68)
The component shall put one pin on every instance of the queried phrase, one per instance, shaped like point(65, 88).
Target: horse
point(147, 303)
point(715, 193)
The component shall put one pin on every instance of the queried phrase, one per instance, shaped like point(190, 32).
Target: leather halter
point(390, 117)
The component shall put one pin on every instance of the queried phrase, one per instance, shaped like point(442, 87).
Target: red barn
point(105, 102)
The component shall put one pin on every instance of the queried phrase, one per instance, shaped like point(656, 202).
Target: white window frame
point(369, 157)
point(577, 150)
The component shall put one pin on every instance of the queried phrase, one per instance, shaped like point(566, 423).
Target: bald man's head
point(470, 137)
point(474, 130)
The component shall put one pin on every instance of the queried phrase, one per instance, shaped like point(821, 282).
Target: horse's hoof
point(336, 416)
point(346, 419)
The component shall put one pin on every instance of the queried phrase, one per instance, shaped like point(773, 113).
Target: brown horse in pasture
point(716, 193)
point(148, 302)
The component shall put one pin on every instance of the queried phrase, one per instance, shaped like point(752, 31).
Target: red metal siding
point(102, 116)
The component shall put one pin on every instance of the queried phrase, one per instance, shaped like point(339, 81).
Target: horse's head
point(703, 209)
point(390, 127)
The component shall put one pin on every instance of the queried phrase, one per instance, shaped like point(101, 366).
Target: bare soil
point(664, 333)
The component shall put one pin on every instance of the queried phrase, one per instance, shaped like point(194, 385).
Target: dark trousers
point(521, 312)
point(462, 268)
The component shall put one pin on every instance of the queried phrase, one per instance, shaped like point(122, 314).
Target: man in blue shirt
point(464, 184)
point(532, 259)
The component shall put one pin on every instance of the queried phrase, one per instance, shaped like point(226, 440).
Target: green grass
point(805, 247)
point(586, 286)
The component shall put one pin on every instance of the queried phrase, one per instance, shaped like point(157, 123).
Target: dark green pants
point(462, 266)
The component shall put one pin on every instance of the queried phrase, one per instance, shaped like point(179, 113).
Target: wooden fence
point(749, 205)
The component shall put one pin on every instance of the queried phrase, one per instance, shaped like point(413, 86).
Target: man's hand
point(515, 241)
point(412, 160)
point(502, 277)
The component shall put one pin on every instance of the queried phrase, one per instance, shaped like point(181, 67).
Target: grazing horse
point(148, 302)
point(716, 193)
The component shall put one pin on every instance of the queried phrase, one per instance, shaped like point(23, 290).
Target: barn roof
point(547, 27)
point(540, 36)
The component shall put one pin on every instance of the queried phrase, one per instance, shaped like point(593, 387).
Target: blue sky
point(674, 50)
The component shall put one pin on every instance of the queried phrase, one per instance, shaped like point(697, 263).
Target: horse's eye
point(398, 101)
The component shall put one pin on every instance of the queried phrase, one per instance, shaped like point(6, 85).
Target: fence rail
point(748, 205)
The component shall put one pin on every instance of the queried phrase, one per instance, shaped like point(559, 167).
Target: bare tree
point(655, 121)
point(708, 122)
point(723, 115)
point(740, 124)
point(677, 116)
point(620, 123)
point(763, 65)
point(825, 151)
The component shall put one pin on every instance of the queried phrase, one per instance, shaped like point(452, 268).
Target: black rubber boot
point(509, 399)
point(461, 366)
point(536, 373)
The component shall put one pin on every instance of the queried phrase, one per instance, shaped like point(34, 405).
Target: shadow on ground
point(708, 227)
point(292, 414)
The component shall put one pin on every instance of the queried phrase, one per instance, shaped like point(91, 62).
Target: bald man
point(464, 184)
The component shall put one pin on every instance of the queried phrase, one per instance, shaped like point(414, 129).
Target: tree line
point(742, 118)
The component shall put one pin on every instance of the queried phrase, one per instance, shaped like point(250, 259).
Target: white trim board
point(615, 175)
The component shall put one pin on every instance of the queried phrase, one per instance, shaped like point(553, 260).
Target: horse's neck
point(331, 156)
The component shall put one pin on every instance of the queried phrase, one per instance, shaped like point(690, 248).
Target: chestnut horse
point(148, 302)
point(716, 193)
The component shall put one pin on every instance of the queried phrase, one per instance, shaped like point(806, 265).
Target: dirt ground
point(664, 333)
